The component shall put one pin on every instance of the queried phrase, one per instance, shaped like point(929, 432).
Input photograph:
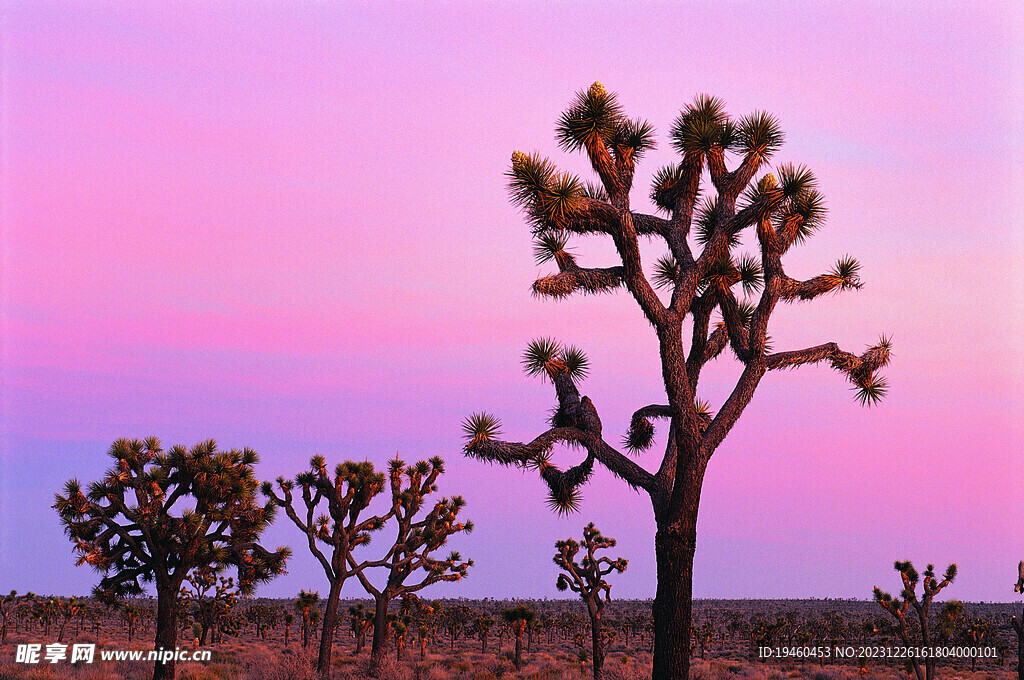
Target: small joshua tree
point(702, 275)
point(362, 623)
point(915, 634)
point(482, 625)
point(305, 604)
point(414, 545)
point(289, 619)
point(131, 614)
point(125, 525)
point(587, 579)
point(9, 604)
point(519, 617)
point(213, 597)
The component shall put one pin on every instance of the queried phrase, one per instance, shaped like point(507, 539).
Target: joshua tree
point(213, 595)
point(305, 604)
point(915, 634)
point(362, 622)
point(703, 634)
point(519, 617)
point(416, 540)
point(454, 620)
point(124, 526)
point(289, 619)
point(131, 614)
point(482, 625)
point(331, 537)
point(587, 579)
point(400, 631)
point(1018, 627)
point(784, 208)
point(9, 604)
point(975, 631)
point(67, 609)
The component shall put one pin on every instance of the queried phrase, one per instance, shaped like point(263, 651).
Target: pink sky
point(286, 227)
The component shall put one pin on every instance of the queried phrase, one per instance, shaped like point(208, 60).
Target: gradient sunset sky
point(285, 226)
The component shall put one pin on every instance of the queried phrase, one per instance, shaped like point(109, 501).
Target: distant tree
point(699, 275)
point(915, 633)
point(11, 603)
point(400, 631)
point(482, 625)
point(975, 631)
point(289, 619)
point(67, 609)
point(519, 617)
point(305, 605)
point(703, 634)
point(362, 623)
point(423, 632)
point(211, 597)
point(414, 544)
point(586, 578)
point(130, 615)
point(124, 526)
point(454, 619)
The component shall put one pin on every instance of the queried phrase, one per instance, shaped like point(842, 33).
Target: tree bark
point(598, 647)
point(380, 636)
point(675, 545)
point(323, 660)
point(166, 629)
point(1018, 628)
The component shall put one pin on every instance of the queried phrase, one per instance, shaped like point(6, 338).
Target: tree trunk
point(166, 629)
point(380, 636)
point(1018, 627)
point(519, 650)
point(323, 660)
point(595, 635)
point(675, 545)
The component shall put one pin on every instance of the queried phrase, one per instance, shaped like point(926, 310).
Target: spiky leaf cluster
point(547, 358)
point(701, 126)
point(157, 516)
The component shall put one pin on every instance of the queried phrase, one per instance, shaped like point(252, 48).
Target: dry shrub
point(432, 672)
point(702, 670)
point(49, 672)
point(195, 671)
point(258, 662)
point(617, 670)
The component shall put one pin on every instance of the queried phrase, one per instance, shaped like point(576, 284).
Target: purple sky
point(286, 227)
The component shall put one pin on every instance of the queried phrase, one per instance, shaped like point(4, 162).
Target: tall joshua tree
point(699, 275)
point(333, 535)
point(898, 607)
point(156, 516)
point(415, 542)
point(587, 579)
